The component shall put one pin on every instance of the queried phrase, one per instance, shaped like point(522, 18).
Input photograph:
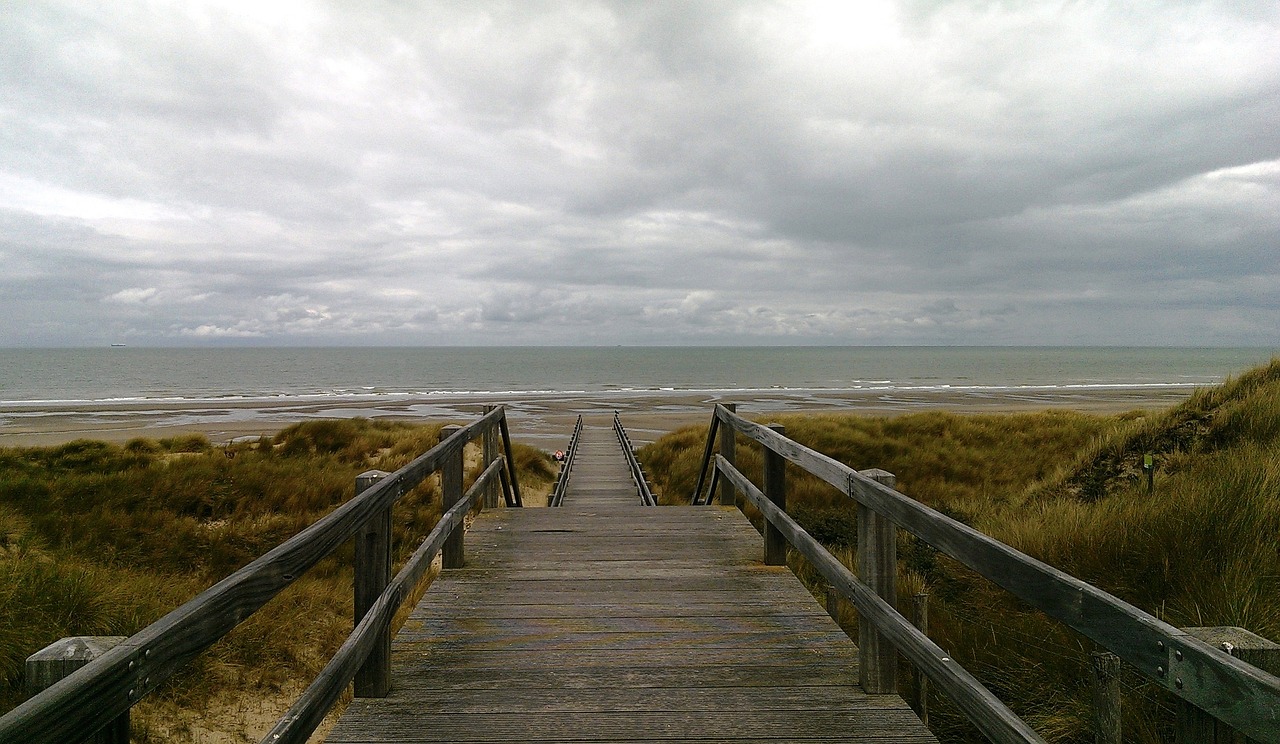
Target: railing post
point(833, 603)
point(492, 445)
point(59, 659)
point(1194, 726)
point(514, 483)
point(878, 569)
point(920, 603)
point(372, 574)
point(1106, 697)
point(452, 555)
point(728, 438)
point(775, 489)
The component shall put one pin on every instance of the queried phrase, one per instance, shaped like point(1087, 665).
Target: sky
point(597, 173)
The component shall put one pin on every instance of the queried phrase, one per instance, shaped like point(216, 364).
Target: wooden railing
point(562, 478)
point(1238, 694)
point(105, 689)
point(637, 472)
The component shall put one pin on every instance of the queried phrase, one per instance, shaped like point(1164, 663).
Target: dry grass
point(100, 539)
point(1067, 489)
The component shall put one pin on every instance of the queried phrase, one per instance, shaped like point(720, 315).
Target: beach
point(51, 396)
point(543, 420)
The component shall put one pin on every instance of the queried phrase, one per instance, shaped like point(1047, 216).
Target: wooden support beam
point(514, 483)
point(453, 554)
point(372, 574)
point(775, 489)
point(728, 440)
point(878, 569)
point(920, 603)
point(492, 445)
point(1106, 697)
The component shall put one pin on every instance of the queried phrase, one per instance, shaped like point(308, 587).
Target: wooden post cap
point(1237, 637)
point(1242, 644)
point(64, 656)
point(883, 477)
point(368, 478)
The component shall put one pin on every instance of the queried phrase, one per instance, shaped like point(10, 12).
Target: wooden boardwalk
point(622, 623)
point(600, 475)
point(610, 621)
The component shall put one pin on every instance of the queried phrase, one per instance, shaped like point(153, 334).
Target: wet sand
point(540, 420)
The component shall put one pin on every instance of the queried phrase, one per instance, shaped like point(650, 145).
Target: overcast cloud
point(178, 173)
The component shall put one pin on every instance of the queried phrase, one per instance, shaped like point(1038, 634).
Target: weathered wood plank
point(687, 641)
point(589, 570)
point(805, 739)
point(622, 609)
point(589, 587)
point(819, 673)
point(441, 629)
point(539, 699)
point(688, 658)
point(854, 724)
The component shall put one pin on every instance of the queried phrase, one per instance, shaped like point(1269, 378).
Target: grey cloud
point(598, 172)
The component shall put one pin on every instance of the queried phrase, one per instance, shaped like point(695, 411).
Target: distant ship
point(117, 345)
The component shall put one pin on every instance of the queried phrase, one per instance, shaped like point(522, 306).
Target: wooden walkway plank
point(603, 623)
point(600, 475)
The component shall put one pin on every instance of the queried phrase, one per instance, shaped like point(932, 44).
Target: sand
point(540, 420)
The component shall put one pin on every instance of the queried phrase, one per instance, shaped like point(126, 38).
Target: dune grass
point(103, 539)
point(1067, 489)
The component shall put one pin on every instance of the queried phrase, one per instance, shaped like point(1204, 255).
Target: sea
point(30, 378)
point(53, 395)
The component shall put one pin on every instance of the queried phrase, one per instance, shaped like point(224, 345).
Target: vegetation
point(1068, 489)
point(101, 539)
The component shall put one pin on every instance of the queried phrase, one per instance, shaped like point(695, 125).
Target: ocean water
point(36, 377)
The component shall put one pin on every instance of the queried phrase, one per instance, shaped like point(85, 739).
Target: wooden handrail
point(309, 710)
point(98, 692)
point(1239, 694)
point(992, 717)
point(637, 473)
point(562, 478)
